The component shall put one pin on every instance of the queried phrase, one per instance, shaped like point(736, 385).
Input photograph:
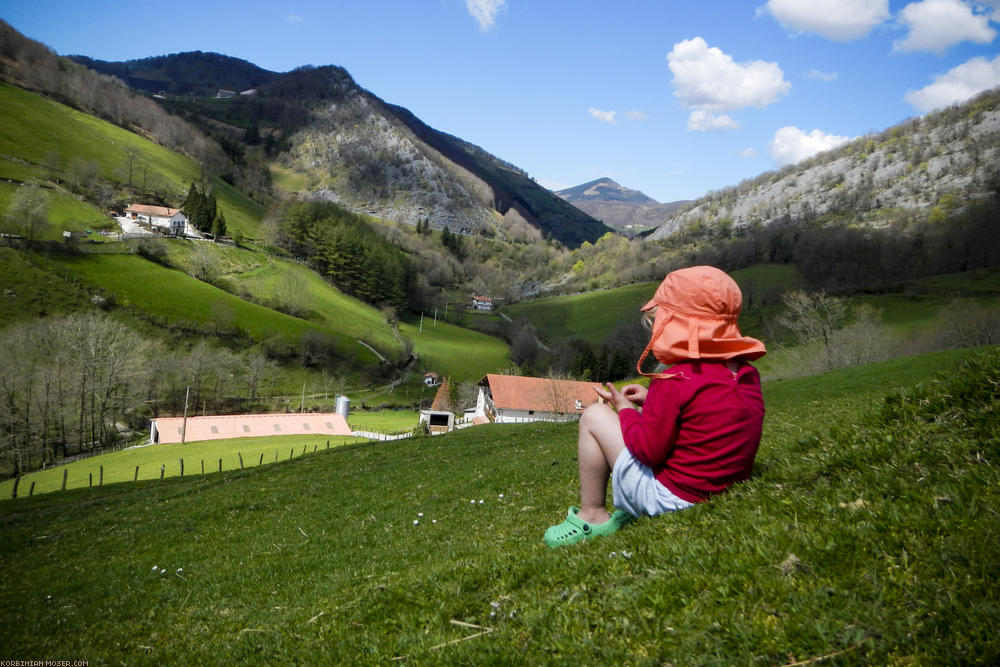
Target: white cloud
point(957, 84)
point(839, 20)
point(937, 24)
point(706, 79)
point(636, 115)
point(293, 18)
point(822, 76)
point(603, 116)
point(995, 6)
point(791, 145)
point(702, 121)
point(748, 152)
point(485, 11)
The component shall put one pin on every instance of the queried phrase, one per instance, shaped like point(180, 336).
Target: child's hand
point(615, 397)
point(635, 393)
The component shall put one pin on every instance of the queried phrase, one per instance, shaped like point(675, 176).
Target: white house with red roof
point(172, 219)
point(515, 398)
point(482, 303)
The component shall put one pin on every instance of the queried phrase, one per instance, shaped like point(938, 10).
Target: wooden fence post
point(31, 490)
point(303, 450)
point(65, 472)
point(291, 452)
point(100, 481)
point(315, 447)
point(220, 465)
point(182, 467)
point(203, 466)
point(135, 477)
point(163, 468)
point(90, 479)
point(276, 456)
point(328, 444)
point(261, 462)
point(241, 459)
point(17, 480)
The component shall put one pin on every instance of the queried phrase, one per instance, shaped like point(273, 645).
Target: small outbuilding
point(438, 421)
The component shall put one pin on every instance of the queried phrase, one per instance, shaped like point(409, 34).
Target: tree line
point(343, 248)
point(75, 382)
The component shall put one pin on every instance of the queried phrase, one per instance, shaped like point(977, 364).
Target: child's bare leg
point(599, 444)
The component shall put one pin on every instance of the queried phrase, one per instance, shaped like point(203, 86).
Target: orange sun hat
point(696, 319)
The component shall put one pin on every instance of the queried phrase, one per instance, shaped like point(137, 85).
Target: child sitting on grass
point(693, 433)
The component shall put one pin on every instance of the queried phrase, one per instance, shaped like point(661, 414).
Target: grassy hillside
point(593, 316)
point(41, 139)
point(869, 536)
point(166, 297)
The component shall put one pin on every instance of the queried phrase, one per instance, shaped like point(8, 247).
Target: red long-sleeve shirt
point(698, 430)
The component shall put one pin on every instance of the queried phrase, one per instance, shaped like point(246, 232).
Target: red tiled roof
point(158, 211)
point(515, 392)
point(247, 426)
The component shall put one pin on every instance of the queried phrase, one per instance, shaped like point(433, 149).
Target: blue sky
point(671, 97)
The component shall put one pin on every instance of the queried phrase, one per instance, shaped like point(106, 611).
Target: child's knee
point(597, 413)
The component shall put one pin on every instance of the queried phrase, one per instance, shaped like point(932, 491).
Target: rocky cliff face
point(363, 159)
point(379, 159)
point(941, 160)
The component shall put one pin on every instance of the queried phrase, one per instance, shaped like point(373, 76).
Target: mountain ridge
point(365, 154)
point(920, 168)
point(629, 211)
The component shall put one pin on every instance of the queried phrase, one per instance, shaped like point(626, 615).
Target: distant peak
point(604, 189)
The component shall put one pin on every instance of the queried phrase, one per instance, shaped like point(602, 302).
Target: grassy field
point(36, 128)
point(593, 316)
point(168, 295)
point(868, 535)
point(121, 466)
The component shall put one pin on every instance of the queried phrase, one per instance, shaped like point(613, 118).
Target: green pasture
point(867, 535)
point(168, 295)
point(383, 421)
point(36, 128)
point(455, 353)
point(65, 213)
point(269, 280)
point(30, 291)
point(591, 316)
point(121, 466)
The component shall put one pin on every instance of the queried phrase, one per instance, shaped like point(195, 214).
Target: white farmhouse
point(482, 303)
point(172, 219)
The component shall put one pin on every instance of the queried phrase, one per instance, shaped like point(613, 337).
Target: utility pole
point(184, 427)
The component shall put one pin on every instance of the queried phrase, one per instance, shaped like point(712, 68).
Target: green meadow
point(867, 535)
point(168, 295)
point(594, 316)
point(151, 460)
point(36, 129)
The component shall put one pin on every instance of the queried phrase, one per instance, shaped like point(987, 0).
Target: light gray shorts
point(637, 491)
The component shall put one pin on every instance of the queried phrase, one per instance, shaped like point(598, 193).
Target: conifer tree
point(219, 226)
